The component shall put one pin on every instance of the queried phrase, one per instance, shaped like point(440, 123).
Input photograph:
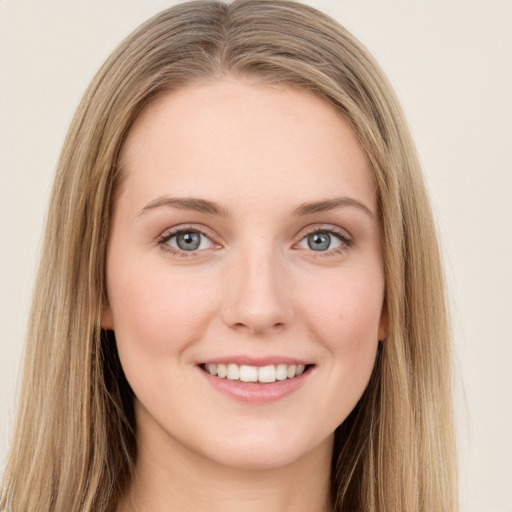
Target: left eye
point(189, 241)
point(320, 241)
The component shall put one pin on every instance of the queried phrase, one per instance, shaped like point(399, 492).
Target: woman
point(240, 301)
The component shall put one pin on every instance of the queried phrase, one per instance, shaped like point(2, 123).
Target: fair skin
point(277, 265)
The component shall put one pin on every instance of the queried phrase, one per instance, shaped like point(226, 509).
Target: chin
point(264, 452)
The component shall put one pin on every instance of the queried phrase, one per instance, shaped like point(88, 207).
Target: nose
point(257, 296)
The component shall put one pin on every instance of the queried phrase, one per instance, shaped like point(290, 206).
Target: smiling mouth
point(260, 374)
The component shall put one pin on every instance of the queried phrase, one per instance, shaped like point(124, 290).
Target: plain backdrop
point(451, 64)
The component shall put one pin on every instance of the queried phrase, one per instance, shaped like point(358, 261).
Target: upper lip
point(256, 360)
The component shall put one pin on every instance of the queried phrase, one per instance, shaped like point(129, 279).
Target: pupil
point(319, 241)
point(188, 241)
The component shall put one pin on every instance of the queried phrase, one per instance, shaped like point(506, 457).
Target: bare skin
point(176, 479)
point(245, 232)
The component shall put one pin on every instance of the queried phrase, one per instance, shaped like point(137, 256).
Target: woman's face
point(245, 241)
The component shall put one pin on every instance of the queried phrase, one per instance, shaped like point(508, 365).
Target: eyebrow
point(209, 207)
point(186, 203)
point(330, 204)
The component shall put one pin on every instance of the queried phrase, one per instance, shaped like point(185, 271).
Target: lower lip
point(255, 392)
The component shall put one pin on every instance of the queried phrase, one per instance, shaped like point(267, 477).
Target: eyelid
point(326, 228)
point(176, 230)
point(342, 234)
point(344, 237)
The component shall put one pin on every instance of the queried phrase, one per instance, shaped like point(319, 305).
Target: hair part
point(75, 443)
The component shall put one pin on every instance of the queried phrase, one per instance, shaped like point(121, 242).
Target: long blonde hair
point(75, 443)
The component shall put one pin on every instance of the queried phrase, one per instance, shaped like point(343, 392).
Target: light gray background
point(451, 63)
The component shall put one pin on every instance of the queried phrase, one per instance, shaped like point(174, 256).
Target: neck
point(170, 477)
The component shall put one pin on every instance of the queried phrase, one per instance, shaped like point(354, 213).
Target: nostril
point(257, 327)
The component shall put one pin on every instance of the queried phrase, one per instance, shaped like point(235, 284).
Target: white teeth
point(233, 372)
point(245, 373)
point(222, 371)
point(281, 372)
point(248, 373)
point(267, 374)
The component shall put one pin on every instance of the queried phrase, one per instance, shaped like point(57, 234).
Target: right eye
point(185, 241)
point(321, 241)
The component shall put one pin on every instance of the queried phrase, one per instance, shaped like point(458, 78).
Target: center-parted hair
point(74, 447)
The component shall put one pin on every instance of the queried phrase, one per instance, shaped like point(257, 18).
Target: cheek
point(343, 316)
point(157, 310)
point(344, 320)
point(347, 308)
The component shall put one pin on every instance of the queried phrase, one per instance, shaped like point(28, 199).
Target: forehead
point(245, 139)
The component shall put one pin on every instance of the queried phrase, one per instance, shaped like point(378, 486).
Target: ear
point(383, 323)
point(107, 319)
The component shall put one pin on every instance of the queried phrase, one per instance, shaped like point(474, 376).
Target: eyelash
point(343, 237)
point(162, 241)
